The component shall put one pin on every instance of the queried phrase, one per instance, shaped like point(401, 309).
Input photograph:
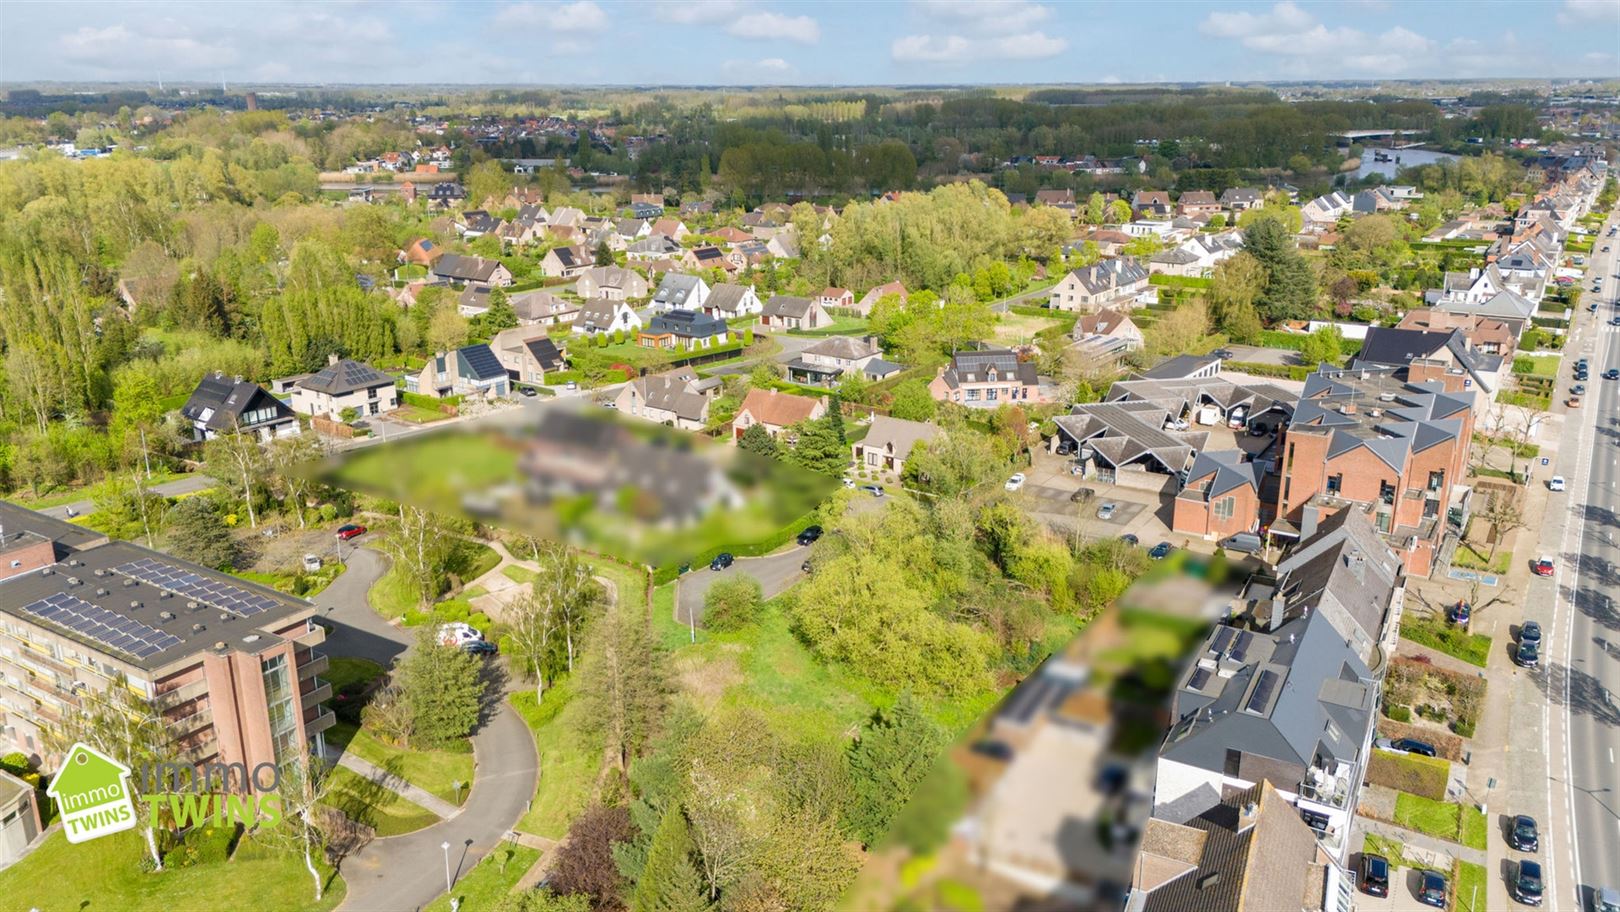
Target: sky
point(775, 42)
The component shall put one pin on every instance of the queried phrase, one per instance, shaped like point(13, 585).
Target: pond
point(1404, 158)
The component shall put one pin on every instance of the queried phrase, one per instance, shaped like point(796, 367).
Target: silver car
point(1107, 510)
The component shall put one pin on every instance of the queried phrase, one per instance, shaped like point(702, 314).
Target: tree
point(1324, 346)
point(1096, 208)
point(604, 254)
point(670, 882)
point(420, 547)
point(447, 330)
point(896, 750)
point(1180, 330)
point(198, 533)
point(1505, 514)
point(622, 685)
point(534, 627)
point(1119, 212)
point(500, 315)
point(577, 595)
point(305, 783)
point(444, 688)
point(818, 448)
point(835, 416)
point(731, 603)
point(487, 183)
point(1235, 287)
point(755, 439)
point(234, 453)
point(1290, 289)
point(953, 463)
point(912, 401)
point(584, 862)
point(289, 461)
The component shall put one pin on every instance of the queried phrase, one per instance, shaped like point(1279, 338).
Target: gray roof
point(877, 368)
point(345, 377)
point(897, 436)
point(788, 306)
point(465, 268)
point(672, 392)
point(1344, 570)
point(1373, 408)
point(847, 347)
point(1124, 432)
point(675, 288)
point(478, 362)
point(598, 312)
point(1179, 367)
point(690, 323)
point(974, 366)
point(539, 305)
point(225, 400)
point(1111, 273)
point(726, 297)
point(1229, 470)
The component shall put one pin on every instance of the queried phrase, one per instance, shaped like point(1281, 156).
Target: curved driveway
point(357, 630)
point(774, 572)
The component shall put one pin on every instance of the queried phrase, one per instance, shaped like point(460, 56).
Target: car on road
point(1555, 483)
point(1246, 542)
point(1613, 373)
point(526, 392)
point(1523, 836)
point(1015, 482)
point(1527, 885)
point(1530, 632)
point(721, 561)
point(1225, 353)
point(1106, 511)
point(809, 535)
point(1606, 899)
point(1528, 655)
point(350, 530)
point(1374, 875)
point(1542, 566)
point(1081, 495)
point(572, 385)
point(1160, 551)
point(1432, 889)
point(1130, 539)
point(1460, 612)
point(872, 489)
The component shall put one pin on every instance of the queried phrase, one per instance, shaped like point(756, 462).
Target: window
point(1225, 507)
point(990, 394)
point(1386, 492)
point(1383, 521)
point(280, 698)
point(1334, 482)
point(1437, 480)
point(973, 395)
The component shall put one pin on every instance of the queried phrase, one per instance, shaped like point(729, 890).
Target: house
point(221, 405)
point(567, 217)
point(616, 283)
point(870, 299)
point(889, 441)
point(423, 252)
point(672, 228)
point(710, 257)
point(471, 269)
point(828, 360)
point(1062, 199)
point(1106, 283)
point(655, 200)
point(683, 330)
point(1242, 199)
point(1445, 351)
point(775, 411)
point(528, 356)
point(1197, 202)
point(1375, 200)
point(605, 315)
point(656, 247)
point(343, 384)
point(1324, 212)
point(732, 235)
point(473, 300)
point(566, 262)
point(836, 297)
point(476, 223)
point(729, 302)
point(446, 195)
point(542, 308)
point(985, 379)
point(632, 229)
point(19, 816)
point(788, 312)
point(1183, 367)
point(1484, 334)
point(1221, 496)
point(472, 370)
point(676, 398)
point(1109, 323)
point(1151, 204)
point(679, 291)
point(643, 210)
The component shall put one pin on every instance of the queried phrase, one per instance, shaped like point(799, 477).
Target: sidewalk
point(393, 783)
point(1413, 839)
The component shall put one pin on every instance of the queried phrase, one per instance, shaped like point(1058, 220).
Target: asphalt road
point(774, 572)
point(187, 485)
point(357, 630)
point(1582, 677)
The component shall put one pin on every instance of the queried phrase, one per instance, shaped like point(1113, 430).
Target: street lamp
point(447, 884)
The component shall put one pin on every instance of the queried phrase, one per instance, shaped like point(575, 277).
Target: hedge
point(427, 402)
point(1281, 371)
point(1175, 281)
point(764, 546)
point(1412, 773)
point(1272, 338)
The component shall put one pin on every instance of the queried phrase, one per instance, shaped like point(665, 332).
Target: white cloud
point(767, 68)
point(1283, 18)
point(1111, 79)
point(1576, 12)
point(1308, 45)
point(705, 12)
point(164, 47)
point(776, 26)
point(956, 49)
point(579, 17)
point(997, 16)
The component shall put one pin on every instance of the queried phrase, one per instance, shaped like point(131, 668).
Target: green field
point(490, 880)
point(365, 802)
point(105, 874)
point(342, 672)
point(569, 760)
point(1470, 887)
point(433, 771)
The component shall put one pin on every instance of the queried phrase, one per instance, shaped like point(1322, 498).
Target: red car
point(1542, 566)
point(350, 530)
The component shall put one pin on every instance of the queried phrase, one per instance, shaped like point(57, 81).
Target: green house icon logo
point(92, 793)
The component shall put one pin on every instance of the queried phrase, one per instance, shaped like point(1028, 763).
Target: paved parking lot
point(1254, 354)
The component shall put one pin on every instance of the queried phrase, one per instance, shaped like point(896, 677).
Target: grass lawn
point(377, 807)
point(342, 672)
point(1450, 639)
point(1020, 328)
point(839, 326)
point(417, 415)
point(569, 760)
point(433, 771)
point(1441, 819)
point(518, 574)
point(1392, 851)
point(392, 595)
point(105, 874)
point(490, 880)
point(1468, 558)
point(436, 469)
point(1413, 773)
point(1470, 887)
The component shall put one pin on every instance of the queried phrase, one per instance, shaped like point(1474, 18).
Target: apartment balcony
point(180, 726)
point(320, 723)
point(315, 636)
point(1328, 784)
point(169, 699)
point(34, 656)
point(315, 691)
point(317, 665)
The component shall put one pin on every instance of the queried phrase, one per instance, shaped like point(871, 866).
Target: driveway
point(1254, 354)
point(357, 631)
point(190, 484)
point(774, 572)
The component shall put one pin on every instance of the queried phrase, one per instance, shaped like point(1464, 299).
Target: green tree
point(897, 749)
point(622, 685)
point(1322, 347)
point(755, 439)
point(604, 254)
point(197, 533)
point(835, 416)
point(1290, 290)
point(500, 314)
point(1119, 212)
point(731, 603)
point(443, 688)
point(818, 448)
point(1234, 289)
point(912, 401)
point(1096, 208)
point(487, 183)
point(670, 882)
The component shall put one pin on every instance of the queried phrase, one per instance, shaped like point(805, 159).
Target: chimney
point(331, 359)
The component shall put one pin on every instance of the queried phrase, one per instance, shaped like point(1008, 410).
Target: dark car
point(1081, 495)
point(872, 489)
point(1258, 430)
point(1160, 551)
point(1375, 875)
point(526, 392)
point(1064, 448)
point(1130, 539)
point(995, 750)
point(809, 535)
point(1614, 321)
point(1613, 373)
point(350, 530)
point(1578, 389)
point(1459, 613)
point(1528, 655)
point(1527, 886)
point(479, 648)
point(1413, 746)
point(721, 561)
point(1225, 353)
point(1432, 889)
point(1524, 836)
point(1530, 632)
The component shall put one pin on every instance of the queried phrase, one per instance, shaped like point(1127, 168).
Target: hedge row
point(1274, 338)
point(1418, 775)
point(764, 546)
point(1175, 281)
point(1259, 369)
point(427, 402)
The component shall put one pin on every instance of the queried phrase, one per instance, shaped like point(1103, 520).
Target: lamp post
point(447, 884)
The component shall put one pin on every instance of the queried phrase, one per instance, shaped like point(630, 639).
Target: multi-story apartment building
point(232, 666)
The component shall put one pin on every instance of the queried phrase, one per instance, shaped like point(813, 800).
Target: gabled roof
point(897, 436)
point(777, 409)
point(345, 377)
point(1124, 432)
point(478, 362)
point(1228, 470)
point(788, 306)
point(727, 297)
point(466, 268)
point(689, 323)
point(219, 402)
point(846, 347)
point(599, 311)
point(1229, 860)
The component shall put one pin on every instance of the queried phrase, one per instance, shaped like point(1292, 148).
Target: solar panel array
point(1262, 691)
point(188, 584)
point(109, 628)
point(1199, 678)
point(1240, 649)
point(1223, 639)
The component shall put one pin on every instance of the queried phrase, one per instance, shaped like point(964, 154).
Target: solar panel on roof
point(1262, 691)
point(1199, 678)
point(1223, 639)
point(1240, 649)
point(109, 628)
point(192, 586)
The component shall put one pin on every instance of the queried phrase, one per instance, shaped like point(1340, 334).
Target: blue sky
point(828, 43)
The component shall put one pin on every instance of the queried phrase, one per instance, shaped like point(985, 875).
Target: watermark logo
point(92, 793)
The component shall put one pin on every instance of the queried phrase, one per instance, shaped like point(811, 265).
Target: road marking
point(1611, 755)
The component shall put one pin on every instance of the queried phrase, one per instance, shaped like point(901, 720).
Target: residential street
point(187, 485)
point(358, 631)
point(775, 572)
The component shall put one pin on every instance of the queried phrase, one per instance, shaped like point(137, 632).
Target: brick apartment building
point(231, 665)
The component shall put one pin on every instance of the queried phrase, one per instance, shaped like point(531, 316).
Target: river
point(1408, 158)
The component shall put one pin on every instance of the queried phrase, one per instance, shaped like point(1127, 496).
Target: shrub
point(731, 603)
point(1399, 713)
point(16, 763)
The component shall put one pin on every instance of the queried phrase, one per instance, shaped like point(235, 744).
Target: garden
point(1454, 640)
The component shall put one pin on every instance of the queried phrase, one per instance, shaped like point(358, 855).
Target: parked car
point(458, 633)
point(1542, 566)
point(1527, 885)
point(1412, 746)
point(1555, 483)
point(872, 489)
point(1064, 448)
point(1530, 632)
point(721, 561)
point(1225, 353)
point(1374, 875)
point(1106, 511)
point(1573, 402)
point(1523, 836)
point(1015, 482)
point(1246, 542)
point(1528, 655)
point(1606, 899)
point(1130, 539)
point(809, 535)
point(526, 392)
point(1081, 495)
point(1460, 612)
point(350, 530)
point(994, 749)
point(1160, 551)
point(480, 648)
point(1432, 889)
point(1258, 430)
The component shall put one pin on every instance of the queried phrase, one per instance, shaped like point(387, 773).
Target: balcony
point(315, 691)
point(1328, 783)
point(180, 726)
point(317, 664)
point(315, 636)
point(319, 724)
point(169, 699)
